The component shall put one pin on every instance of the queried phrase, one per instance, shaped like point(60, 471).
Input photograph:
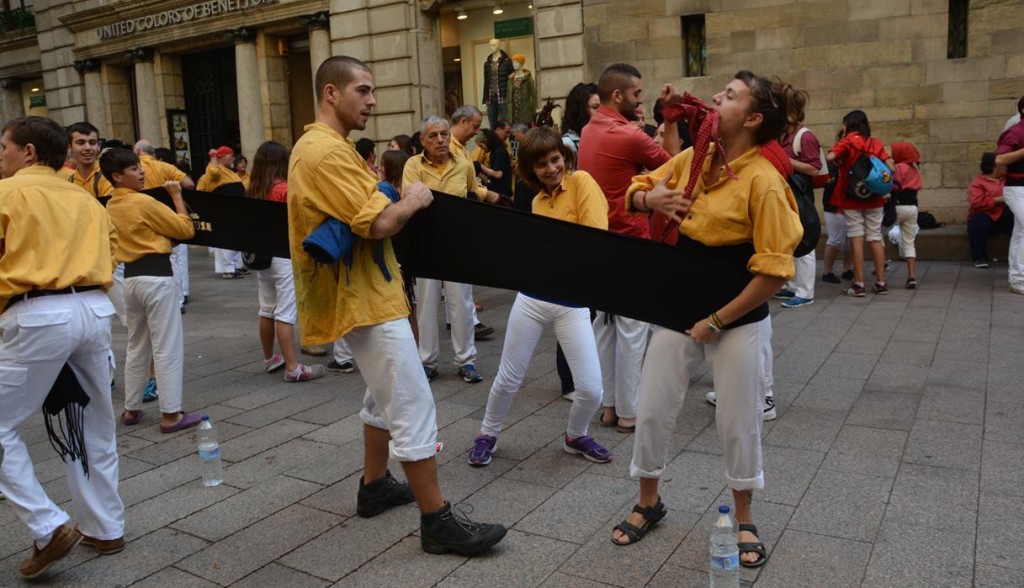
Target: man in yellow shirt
point(157, 173)
point(57, 261)
point(85, 170)
point(441, 170)
point(219, 177)
point(328, 179)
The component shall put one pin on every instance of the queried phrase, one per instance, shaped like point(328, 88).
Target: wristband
point(714, 328)
point(717, 321)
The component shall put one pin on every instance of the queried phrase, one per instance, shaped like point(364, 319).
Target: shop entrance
point(211, 103)
point(466, 31)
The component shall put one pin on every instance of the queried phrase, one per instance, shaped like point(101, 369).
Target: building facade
point(191, 74)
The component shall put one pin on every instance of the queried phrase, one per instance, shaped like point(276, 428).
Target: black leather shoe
point(448, 530)
point(380, 495)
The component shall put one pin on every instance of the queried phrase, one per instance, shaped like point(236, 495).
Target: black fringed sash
point(68, 437)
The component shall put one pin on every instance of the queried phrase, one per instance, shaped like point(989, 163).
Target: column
point(11, 104)
point(250, 108)
point(319, 43)
point(146, 106)
point(95, 112)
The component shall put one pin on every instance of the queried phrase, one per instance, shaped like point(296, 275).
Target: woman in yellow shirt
point(573, 197)
point(741, 222)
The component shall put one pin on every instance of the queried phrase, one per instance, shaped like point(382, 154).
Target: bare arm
point(187, 183)
point(804, 168)
point(174, 189)
point(757, 292)
point(394, 217)
point(1011, 157)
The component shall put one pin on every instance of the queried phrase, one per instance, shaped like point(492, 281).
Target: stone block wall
point(65, 92)
point(886, 57)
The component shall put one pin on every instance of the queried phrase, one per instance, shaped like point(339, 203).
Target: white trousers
point(116, 294)
point(738, 367)
point(621, 343)
point(906, 218)
point(277, 291)
point(154, 333)
point(1013, 197)
point(527, 322)
point(398, 397)
point(226, 261)
point(179, 264)
point(835, 223)
point(458, 300)
point(803, 280)
point(342, 353)
point(40, 336)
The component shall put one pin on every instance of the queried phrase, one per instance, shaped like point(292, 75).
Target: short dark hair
point(83, 128)
point(857, 121)
point(337, 71)
point(1020, 106)
point(48, 138)
point(774, 100)
point(365, 147)
point(535, 145)
point(988, 162)
point(618, 76)
point(115, 161)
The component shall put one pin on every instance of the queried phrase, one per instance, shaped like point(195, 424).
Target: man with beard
point(612, 149)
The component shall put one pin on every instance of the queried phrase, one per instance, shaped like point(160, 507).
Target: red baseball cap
point(224, 151)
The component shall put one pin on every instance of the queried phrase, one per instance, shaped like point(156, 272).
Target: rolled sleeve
point(777, 231)
point(371, 209)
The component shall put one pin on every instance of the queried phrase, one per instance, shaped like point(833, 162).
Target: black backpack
point(803, 191)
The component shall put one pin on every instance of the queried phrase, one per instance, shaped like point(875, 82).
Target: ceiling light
point(497, 9)
point(460, 13)
point(35, 89)
point(457, 59)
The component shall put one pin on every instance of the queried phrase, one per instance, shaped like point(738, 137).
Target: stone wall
point(65, 93)
point(886, 57)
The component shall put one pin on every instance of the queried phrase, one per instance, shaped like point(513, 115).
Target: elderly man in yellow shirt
point(440, 169)
point(58, 256)
point(157, 173)
point(328, 179)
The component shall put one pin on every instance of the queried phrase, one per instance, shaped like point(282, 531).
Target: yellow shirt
point(328, 178)
point(215, 177)
point(158, 172)
point(145, 225)
point(457, 149)
point(93, 182)
point(481, 155)
point(578, 199)
point(54, 235)
point(455, 177)
point(756, 207)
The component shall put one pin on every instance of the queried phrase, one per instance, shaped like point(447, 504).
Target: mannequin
point(497, 69)
point(522, 92)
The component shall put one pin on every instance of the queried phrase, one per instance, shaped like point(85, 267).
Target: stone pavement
point(897, 460)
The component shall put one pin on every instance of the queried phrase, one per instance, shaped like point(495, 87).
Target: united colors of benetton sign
point(174, 16)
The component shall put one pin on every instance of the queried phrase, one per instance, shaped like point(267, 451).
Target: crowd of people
point(716, 181)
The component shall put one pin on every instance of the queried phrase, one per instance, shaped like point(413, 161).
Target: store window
point(16, 15)
point(956, 38)
point(695, 50)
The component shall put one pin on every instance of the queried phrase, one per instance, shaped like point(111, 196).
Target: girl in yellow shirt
point(573, 197)
point(741, 221)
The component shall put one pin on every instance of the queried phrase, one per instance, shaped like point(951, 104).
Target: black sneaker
point(831, 278)
point(847, 275)
point(448, 530)
point(482, 331)
point(380, 495)
point(346, 368)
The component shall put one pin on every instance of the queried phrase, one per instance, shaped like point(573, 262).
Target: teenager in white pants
point(145, 228)
point(57, 260)
point(179, 263)
point(573, 197)
point(748, 259)
point(343, 360)
point(621, 343)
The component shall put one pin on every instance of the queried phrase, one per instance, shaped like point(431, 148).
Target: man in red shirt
point(613, 150)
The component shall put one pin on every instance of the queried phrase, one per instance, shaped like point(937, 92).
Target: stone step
point(947, 243)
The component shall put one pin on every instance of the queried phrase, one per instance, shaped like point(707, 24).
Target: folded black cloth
point(68, 436)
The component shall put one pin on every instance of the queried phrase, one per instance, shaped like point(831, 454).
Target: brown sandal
point(131, 417)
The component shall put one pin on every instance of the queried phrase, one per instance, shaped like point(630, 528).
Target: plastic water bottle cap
point(724, 509)
point(207, 417)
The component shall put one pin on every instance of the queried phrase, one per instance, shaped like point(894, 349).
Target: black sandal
point(752, 547)
point(651, 514)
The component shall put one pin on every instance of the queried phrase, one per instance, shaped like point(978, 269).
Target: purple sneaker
point(483, 447)
point(588, 448)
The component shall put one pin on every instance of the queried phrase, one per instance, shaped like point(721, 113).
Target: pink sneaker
point(305, 373)
point(273, 364)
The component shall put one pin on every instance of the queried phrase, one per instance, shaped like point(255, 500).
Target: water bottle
point(209, 454)
point(724, 560)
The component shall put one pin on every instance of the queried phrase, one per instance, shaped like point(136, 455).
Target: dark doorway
point(211, 101)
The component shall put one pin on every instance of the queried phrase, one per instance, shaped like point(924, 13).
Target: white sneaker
point(769, 405)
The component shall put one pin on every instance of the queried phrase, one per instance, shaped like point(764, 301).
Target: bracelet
point(717, 321)
point(643, 203)
point(714, 328)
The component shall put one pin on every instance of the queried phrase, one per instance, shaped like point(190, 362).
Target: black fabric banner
point(466, 241)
